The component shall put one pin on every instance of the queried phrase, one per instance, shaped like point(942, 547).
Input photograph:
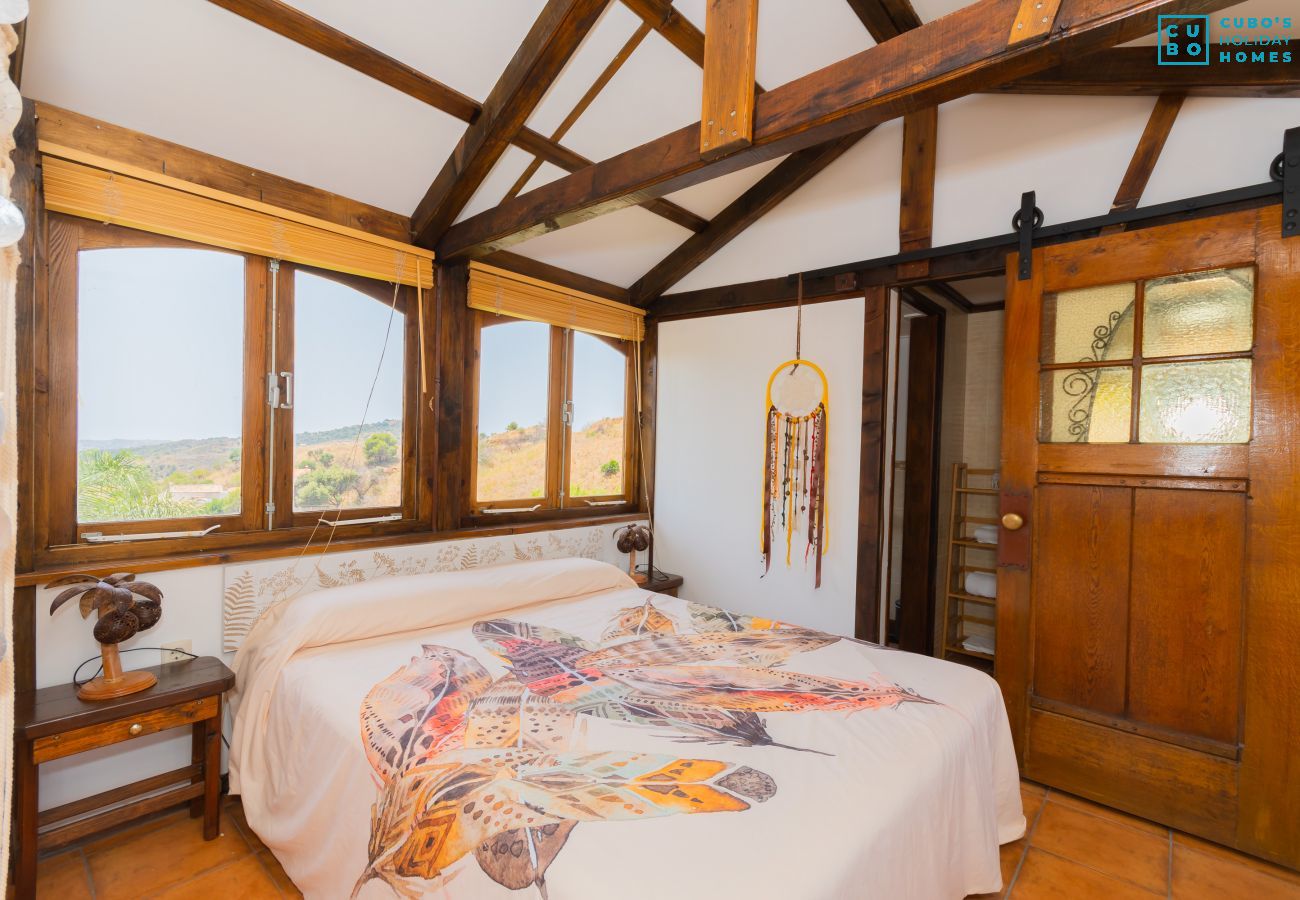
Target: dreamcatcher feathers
point(794, 467)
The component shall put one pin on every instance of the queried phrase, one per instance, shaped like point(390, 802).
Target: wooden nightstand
point(662, 582)
point(52, 723)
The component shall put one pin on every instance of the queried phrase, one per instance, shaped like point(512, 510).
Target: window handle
point(604, 502)
point(273, 390)
point(98, 537)
point(335, 523)
point(500, 511)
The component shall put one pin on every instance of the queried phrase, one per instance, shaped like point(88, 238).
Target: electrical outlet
point(176, 651)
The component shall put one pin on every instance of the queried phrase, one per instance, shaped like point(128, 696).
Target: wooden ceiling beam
point(916, 184)
point(1133, 71)
point(570, 161)
point(962, 53)
point(730, 54)
point(1147, 152)
point(793, 173)
point(886, 19)
point(796, 171)
point(548, 46)
point(302, 29)
point(916, 202)
point(673, 27)
point(622, 56)
point(1145, 156)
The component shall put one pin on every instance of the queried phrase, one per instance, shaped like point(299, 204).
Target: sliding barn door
point(1149, 567)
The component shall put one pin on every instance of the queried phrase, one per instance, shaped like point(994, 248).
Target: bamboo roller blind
point(206, 216)
point(519, 296)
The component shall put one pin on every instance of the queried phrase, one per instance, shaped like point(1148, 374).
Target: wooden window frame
point(59, 537)
point(282, 480)
point(556, 502)
point(628, 495)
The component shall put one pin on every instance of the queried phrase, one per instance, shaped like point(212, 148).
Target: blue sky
point(160, 337)
point(160, 353)
point(513, 366)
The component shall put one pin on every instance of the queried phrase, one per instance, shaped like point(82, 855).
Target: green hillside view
point(123, 480)
point(512, 463)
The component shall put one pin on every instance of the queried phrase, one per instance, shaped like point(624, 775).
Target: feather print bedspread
point(472, 765)
point(515, 757)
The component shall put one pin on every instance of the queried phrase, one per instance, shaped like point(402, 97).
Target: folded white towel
point(980, 643)
point(982, 584)
point(986, 534)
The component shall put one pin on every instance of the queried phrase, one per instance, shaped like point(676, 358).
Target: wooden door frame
point(921, 506)
point(876, 362)
point(921, 483)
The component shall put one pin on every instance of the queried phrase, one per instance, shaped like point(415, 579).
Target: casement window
point(349, 352)
point(196, 389)
point(553, 405)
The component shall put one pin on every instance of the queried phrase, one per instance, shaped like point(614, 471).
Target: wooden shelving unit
point(973, 504)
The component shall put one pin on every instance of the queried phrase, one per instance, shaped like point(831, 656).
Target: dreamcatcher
point(794, 469)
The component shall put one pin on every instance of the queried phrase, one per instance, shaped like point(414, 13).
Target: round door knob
point(1012, 522)
point(135, 730)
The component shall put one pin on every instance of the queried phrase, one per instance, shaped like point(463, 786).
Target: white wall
point(1072, 150)
point(709, 459)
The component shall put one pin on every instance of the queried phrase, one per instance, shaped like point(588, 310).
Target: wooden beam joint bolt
point(1034, 20)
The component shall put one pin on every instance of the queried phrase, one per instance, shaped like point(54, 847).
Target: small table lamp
point(629, 539)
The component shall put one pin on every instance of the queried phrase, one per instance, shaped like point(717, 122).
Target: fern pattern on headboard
point(250, 590)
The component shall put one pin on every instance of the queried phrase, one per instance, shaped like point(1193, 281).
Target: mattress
point(612, 742)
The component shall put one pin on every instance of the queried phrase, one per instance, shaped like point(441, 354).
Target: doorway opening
point(945, 422)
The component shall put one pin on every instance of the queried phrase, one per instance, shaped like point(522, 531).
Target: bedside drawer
point(82, 739)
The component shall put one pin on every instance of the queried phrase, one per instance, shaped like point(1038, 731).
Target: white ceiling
point(190, 72)
point(982, 291)
point(465, 44)
point(795, 38)
point(847, 212)
point(619, 247)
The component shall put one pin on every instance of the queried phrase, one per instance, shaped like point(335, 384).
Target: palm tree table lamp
point(629, 540)
point(126, 607)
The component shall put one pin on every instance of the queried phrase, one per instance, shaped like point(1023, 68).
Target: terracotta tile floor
point(1074, 850)
point(166, 857)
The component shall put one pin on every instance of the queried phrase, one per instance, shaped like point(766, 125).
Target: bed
point(547, 729)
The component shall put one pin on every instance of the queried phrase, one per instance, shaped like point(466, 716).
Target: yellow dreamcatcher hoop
point(794, 472)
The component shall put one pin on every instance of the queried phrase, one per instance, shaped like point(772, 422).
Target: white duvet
point(613, 743)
